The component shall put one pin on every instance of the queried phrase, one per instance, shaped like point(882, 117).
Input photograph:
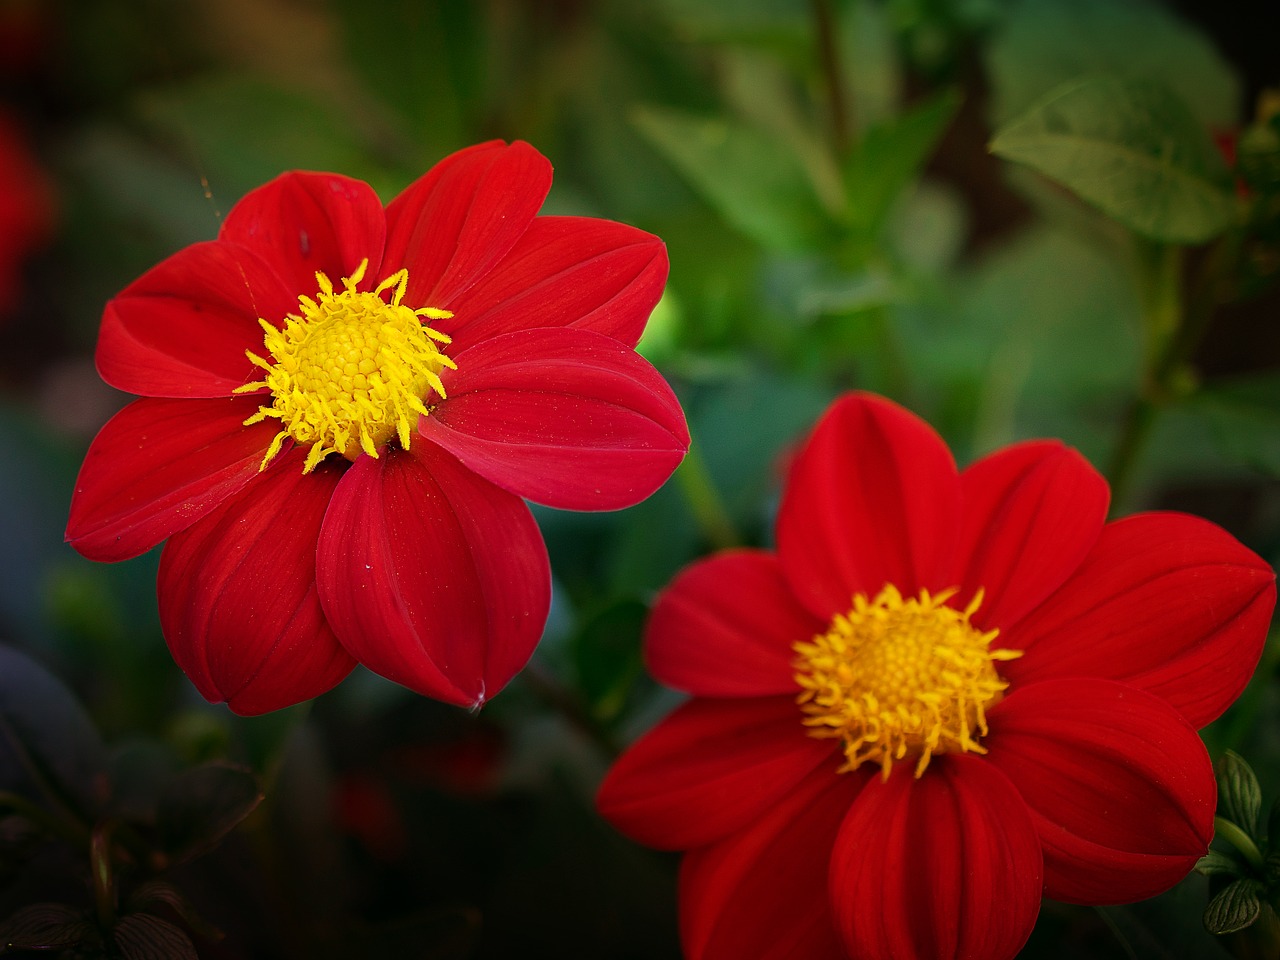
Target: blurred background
point(853, 195)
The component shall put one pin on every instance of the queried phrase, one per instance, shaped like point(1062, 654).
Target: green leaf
point(1239, 796)
point(1243, 417)
point(141, 936)
point(1215, 863)
point(870, 60)
point(44, 926)
point(606, 655)
point(1235, 907)
point(1045, 43)
point(49, 747)
point(889, 157)
point(202, 805)
point(1132, 149)
point(756, 182)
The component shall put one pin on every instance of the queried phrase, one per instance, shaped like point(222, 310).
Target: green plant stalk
point(1231, 833)
point(825, 36)
point(705, 503)
point(104, 893)
point(1172, 329)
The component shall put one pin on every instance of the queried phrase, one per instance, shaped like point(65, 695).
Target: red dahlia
point(342, 407)
point(943, 696)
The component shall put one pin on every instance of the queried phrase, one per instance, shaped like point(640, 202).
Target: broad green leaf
point(1243, 417)
point(889, 157)
point(1236, 906)
point(1215, 862)
point(761, 22)
point(755, 181)
point(1132, 149)
point(1045, 43)
point(202, 805)
point(45, 926)
point(1239, 796)
point(49, 747)
point(141, 936)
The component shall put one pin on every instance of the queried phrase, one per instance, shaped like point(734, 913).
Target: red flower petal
point(1166, 602)
point(872, 499)
point(762, 892)
point(1118, 783)
point(567, 271)
point(157, 467)
point(238, 597)
point(303, 222)
point(431, 576)
point(182, 328)
point(725, 628)
point(710, 769)
point(566, 417)
point(947, 866)
point(454, 223)
point(1031, 513)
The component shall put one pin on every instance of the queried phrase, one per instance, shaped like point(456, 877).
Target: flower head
point(945, 694)
point(342, 407)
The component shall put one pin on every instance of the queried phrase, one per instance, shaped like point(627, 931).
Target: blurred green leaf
point(48, 744)
point(1045, 43)
point(1243, 416)
point(762, 22)
point(606, 655)
point(1235, 907)
point(889, 157)
point(869, 56)
point(240, 131)
point(755, 181)
point(1130, 148)
point(202, 805)
point(1239, 796)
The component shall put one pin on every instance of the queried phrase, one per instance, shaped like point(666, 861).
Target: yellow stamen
point(896, 678)
point(350, 371)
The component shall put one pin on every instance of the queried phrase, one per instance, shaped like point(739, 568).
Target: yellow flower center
point(899, 677)
point(350, 370)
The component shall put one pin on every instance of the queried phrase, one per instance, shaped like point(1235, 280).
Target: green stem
point(1231, 833)
point(1172, 328)
point(104, 893)
point(705, 503)
point(563, 700)
point(829, 55)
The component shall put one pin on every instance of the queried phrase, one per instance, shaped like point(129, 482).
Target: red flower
point(26, 209)
point(348, 487)
point(944, 695)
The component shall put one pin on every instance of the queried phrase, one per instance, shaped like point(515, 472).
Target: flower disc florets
point(895, 677)
point(350, 370)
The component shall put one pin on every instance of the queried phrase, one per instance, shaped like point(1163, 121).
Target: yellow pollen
point(350, 371)
point(896, 678)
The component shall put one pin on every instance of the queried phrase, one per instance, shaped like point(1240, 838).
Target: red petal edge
point(940, 868)
point(157, 467)
point(873, 498)
point(452, 225)
point(1119, 785)
point(1167, 602)
point(301, 223)
point(762, 892)
point(565, 417)
point(238, 599)
point(710, 769)
point(726, 626)
point(431, 576)
point(567, 271)
point(1031, 513)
